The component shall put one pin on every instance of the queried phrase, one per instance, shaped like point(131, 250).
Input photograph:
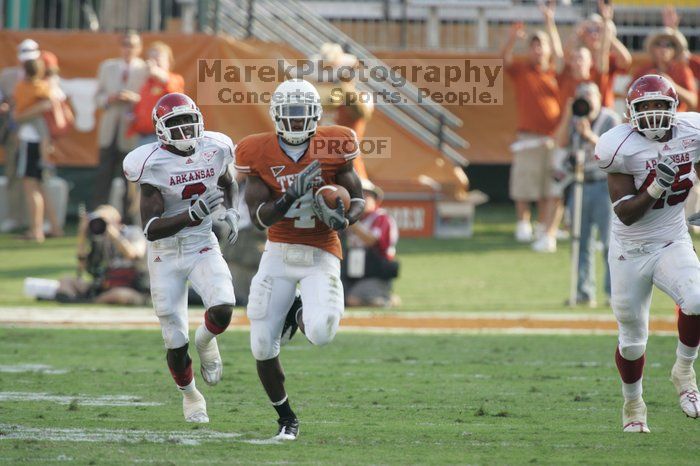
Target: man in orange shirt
point(538, 111)
point(303, 247)
point(160, 81)
point(666, 48)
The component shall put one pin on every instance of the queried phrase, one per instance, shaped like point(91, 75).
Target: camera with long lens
point(96, 224)
point(580, 107)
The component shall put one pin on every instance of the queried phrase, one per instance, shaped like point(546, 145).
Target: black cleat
point(291, 325)
point(288, 429)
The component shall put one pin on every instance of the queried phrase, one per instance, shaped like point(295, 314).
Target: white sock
point(188, 390)
point(203, 336)
point(632, 391)
point(685, 355)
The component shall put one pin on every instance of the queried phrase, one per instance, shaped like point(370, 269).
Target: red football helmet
point(180, 133)
point(652, 123)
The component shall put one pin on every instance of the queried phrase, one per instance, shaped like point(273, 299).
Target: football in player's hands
point(331, 203)
point(331, 193)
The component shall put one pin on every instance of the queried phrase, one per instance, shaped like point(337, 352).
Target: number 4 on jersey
point(302, 212)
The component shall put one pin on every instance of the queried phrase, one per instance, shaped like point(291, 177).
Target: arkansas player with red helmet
point(303, 248)
point(652, 164)
point(184, 178)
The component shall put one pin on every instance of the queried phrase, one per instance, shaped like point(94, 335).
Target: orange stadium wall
point(80, 53)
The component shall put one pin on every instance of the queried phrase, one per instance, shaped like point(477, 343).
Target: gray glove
point(205, 204)
point(231, 218)
point(666, 172)
point(334, 218)
point(694, 219)
point(304, 180)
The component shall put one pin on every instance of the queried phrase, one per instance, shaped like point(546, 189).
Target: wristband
point(257, 215)
point(655, 190)
point(148, 224)
point(283, 204)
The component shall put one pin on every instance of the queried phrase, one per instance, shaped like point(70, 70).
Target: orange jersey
point(261, 155)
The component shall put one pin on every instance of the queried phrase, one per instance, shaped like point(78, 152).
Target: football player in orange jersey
point(303, 248)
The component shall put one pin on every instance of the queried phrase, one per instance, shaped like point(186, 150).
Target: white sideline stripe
point(85, 400)
point(143, 317)
point(55, 434)
point(37, 368)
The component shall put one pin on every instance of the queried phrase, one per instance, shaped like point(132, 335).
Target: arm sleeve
point(244, 158)
point(350, 147)
point(607, 151)
point(136, 167)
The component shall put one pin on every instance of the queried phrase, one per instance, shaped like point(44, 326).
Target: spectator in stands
point(60, 119)
point(672, 21)
point(538, 112)
point(118, 83)
point(582, 128)
point(370, 267)
point(28, 49)
point(160, 81)
point(666, 48)
point(112, 254)
point(343, 100)
point(578, 69)
point(33, 99)
point(610, 56)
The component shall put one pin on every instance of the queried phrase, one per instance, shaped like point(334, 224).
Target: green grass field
point(365, 399)
point(487, 272)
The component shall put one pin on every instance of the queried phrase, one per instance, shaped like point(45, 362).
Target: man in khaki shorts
point(538, 112)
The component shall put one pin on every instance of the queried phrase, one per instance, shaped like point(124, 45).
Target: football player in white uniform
point(651, 164)
point(184, 177)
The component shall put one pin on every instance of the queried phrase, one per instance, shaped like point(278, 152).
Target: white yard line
point(36, 368)
point(85, 400)
point(435, 322)
point(55, 434)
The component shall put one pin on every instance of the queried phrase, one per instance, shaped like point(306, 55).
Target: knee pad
point(632, 352)
point(174, 332)
point(218, 318)
point(691, 304)
point(322, 330)
point(262, 344)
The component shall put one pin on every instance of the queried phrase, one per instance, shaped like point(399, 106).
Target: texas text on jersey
point(262, 156)
point(180, 179)
point(624, 150)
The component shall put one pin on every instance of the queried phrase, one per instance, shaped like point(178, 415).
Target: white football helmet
point(295, 109)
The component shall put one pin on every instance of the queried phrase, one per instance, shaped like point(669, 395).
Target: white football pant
point(634, 269)
point(171, 262)
point(272, 291)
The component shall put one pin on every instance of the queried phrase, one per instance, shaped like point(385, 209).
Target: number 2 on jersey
point(302, 212)
point(191, 190)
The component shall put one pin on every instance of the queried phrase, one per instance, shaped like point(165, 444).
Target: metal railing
point(294, 23)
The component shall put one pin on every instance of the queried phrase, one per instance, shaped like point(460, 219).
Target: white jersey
point(624, 150)
point(181, 179)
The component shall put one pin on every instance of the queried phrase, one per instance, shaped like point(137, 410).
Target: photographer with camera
point(111, 253)
point(370, 266)
point(584, 121)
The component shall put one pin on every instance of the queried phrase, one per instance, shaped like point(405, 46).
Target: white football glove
point(666, 172)
point(694, 219)
point(304, 180)
point(334, 218)
point(665, 175)
point(205, 204)
point(231, 218)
